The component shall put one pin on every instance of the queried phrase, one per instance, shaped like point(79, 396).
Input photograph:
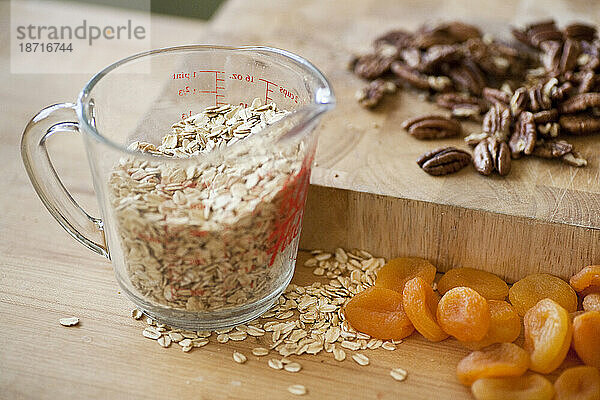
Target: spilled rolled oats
point(398, 374)
point(292, 367)
point(205, 230)
point(360, 359)
point(239, 357)
point(298, 390)
point(306, 320)
point(69, 321)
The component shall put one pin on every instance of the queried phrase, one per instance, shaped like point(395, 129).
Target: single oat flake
point(69, 321)
point(399, 374)
point(151, 333)
point(388, 346)
point(136, 314)
point(339, 354)
point(164, 341)
point(239, 357)
point(260, 351)
point(275, 363)
point(292, 367)
point(360, 359)
point(298, 390)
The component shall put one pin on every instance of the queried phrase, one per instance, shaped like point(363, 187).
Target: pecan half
point(449, 33)
point(550, 129)
point(462, 32)
point(538, 100)
point(579, 31)
point(580, 124)
point(591, 59)
point(410, 76)
point(587, 82)
point(432, 127)
point(574, 159)
point(456, 99)
point(561, 91)
point(543, 32)
point(579, 102)
point(493, 58)
point(411, 56)
point(397, 38)
point(475, 138)
point(538, 32)
point(545, 116)
point(492, 155)
point(444, 161)
point(439, 83)
point(552, 149)
point(465, 111)
point(371, 66)
point(570, 52)
point(558, 57)
point(497, 122)
point(467, 76)
point(435, 55)
point(519, 101)
point(496, 95)
point(524, 135)
point(372, 95)
point(551, 56)
point(521, 36)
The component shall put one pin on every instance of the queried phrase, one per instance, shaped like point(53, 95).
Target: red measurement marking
point(217, 88)
point(268, 89)
point(289, 221)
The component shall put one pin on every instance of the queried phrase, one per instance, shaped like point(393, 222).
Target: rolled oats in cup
point(217, 234)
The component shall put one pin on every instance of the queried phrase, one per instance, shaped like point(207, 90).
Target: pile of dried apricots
point(470, 305)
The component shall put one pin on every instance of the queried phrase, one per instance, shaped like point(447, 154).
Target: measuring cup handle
point(47, 184)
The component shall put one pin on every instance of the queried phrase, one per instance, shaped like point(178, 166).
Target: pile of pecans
point(528, 94)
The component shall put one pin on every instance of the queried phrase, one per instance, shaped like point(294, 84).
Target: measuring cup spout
point(302, 121)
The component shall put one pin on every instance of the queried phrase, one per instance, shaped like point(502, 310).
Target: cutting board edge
point(445, 234)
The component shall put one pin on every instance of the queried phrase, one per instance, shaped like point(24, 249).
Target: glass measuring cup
point(172, 255)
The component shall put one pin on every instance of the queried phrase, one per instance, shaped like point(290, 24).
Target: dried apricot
point(396, 272)
point(525, 293)
point(420, 305)
point(591, 302)
point(548, 332)
point(586, 337)
point(378, 312)
point(578, 383)
point(505, 325)
point(485, 283)
point(529, 387)
point(497, 360)
point(464, 314)
point(587, 280)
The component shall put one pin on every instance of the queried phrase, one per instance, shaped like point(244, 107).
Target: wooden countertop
point(45, 275)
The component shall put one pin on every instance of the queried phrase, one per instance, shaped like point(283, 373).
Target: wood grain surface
point(45, 275)
point(545, 216)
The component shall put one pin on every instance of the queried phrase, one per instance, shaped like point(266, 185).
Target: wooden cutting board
point(367, 190)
